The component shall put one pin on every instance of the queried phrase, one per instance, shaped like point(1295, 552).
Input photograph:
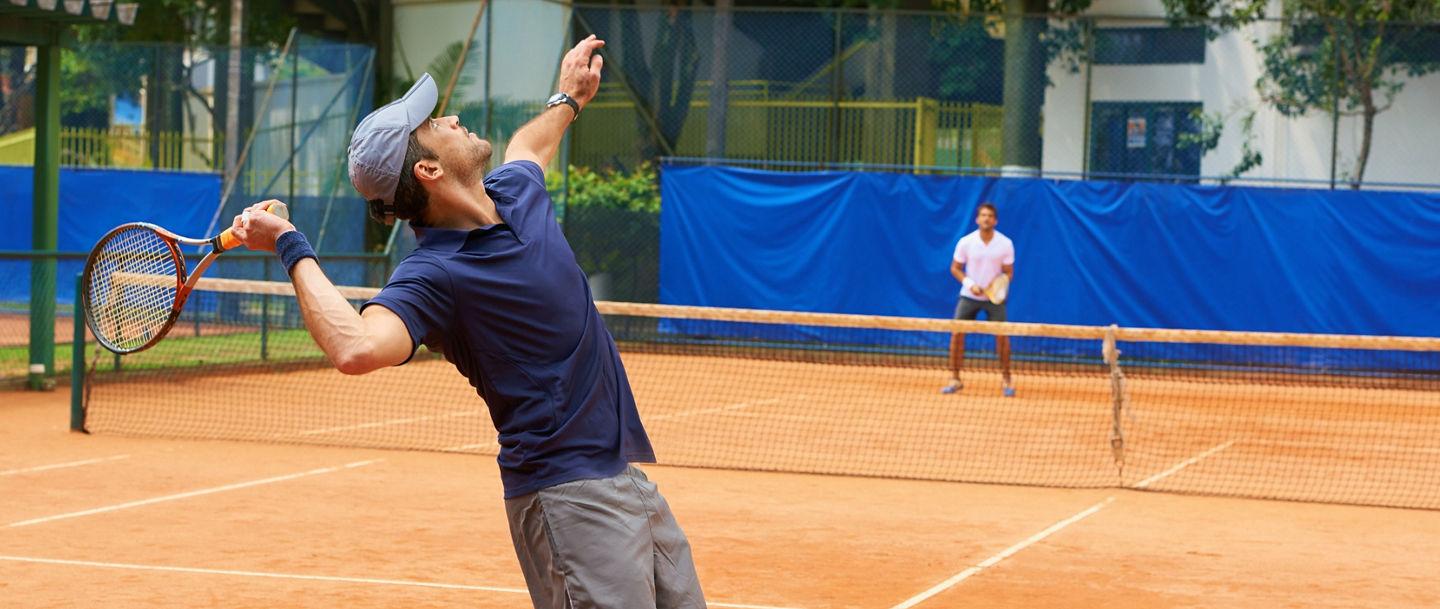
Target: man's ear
point(428, 170)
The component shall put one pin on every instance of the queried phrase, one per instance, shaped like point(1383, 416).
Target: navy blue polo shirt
point(510, 307)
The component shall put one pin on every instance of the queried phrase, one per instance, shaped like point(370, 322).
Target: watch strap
point(563, 98)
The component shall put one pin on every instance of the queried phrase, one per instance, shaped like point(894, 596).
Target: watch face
point(558, 98)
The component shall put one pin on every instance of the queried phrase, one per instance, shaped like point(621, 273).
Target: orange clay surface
point(1355, 445)
point(125, 523)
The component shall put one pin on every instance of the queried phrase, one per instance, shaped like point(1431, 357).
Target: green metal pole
point(46, 205)
point(77, 362)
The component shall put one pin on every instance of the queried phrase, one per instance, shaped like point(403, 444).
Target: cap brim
point(419, 101)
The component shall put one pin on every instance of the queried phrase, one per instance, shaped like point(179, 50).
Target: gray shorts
point(607, 543)
point(969, 308)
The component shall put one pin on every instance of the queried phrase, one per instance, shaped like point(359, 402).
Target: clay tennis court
point(15, 329)
point(150, 522)
point(1358, 444)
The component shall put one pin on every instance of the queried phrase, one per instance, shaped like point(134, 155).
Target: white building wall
point(1405, 139)
point(528, 38)
point(1292, 148)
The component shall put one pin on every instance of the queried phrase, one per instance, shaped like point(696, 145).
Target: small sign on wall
point(1135, 132)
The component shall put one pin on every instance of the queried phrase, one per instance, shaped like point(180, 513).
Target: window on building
point(1143, 138)
point(1149, 45)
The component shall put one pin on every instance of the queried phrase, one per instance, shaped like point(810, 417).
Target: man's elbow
point(355, 362)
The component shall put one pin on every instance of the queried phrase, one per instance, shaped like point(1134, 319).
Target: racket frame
point(184, 280)
point(999, 286)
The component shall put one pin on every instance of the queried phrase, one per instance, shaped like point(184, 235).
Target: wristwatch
point(561, 98)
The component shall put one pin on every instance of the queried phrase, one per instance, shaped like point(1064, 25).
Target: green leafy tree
point(1212, 126)
point(1347, 56)
point(1031, 43)
point(612, 221)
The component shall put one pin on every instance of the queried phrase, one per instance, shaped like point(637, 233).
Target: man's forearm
point(543, 133)
point(332, 321)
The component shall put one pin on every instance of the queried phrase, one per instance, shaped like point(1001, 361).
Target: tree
point(1029, 48)
point(1350, 57)
point(1032, 42)
point(1212, 126)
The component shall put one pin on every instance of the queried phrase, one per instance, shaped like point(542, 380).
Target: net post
point(77, 360)
point(1118, 397)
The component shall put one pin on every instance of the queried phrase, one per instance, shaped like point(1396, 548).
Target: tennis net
point(1326, 418)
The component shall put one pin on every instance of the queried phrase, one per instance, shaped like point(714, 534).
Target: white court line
point(324, 578)
point(469, 447)
point(351, 580)
point(1184, 464)
point(993, 560)
point(41, 468)
point(722, 409)
point(989, 562)
point(198, 493)
point(316, 432)
point(1370, 447)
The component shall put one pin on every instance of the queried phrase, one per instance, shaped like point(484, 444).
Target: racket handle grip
point(227, 241)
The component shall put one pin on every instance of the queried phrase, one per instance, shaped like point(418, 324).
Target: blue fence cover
point(1090, 253)
point(1087, 252)
point(93, 201)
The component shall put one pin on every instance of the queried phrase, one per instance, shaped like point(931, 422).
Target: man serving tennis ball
point(494, 286)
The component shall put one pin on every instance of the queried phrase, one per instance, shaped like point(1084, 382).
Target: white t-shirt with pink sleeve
point(983, 261)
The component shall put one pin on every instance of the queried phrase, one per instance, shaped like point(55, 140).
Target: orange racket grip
point(227, 241)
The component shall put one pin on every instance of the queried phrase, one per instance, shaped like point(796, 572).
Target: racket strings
point(133, 286)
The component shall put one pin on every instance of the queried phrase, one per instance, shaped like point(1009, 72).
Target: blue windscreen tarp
point(1087, 253)
point(92, 201)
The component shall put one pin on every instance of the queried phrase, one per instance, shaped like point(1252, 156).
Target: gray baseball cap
point(377, 150)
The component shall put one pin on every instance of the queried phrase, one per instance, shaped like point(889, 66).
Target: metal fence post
point(77, 361)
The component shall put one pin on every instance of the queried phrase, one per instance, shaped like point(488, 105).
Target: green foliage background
point(612, 220)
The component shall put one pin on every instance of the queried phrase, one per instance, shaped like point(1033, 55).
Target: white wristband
point(968, 283)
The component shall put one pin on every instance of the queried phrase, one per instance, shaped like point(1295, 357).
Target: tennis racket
point(998, 289)
point(135, 282)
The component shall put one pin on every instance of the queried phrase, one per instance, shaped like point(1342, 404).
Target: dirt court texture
point(107, 520)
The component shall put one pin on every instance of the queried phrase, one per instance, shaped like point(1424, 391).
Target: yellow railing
point(130, 148)
point(919, 133)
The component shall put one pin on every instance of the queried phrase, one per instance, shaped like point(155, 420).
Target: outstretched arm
point(579, 78)
point(355, 343)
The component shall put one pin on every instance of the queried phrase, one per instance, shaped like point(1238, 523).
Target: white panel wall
point(1292, 147)
point(529, 36)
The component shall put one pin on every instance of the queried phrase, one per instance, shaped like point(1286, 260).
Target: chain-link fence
point(1313, 103)
point(1310, 104)
point(169, 107)
point(1316, 103)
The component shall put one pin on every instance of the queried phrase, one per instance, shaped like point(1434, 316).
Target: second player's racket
point(136, 283)
point(998, 289)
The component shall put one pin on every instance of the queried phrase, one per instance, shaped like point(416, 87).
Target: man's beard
point(477, 162)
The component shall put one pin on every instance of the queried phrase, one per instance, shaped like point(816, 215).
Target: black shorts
point(969, 308)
